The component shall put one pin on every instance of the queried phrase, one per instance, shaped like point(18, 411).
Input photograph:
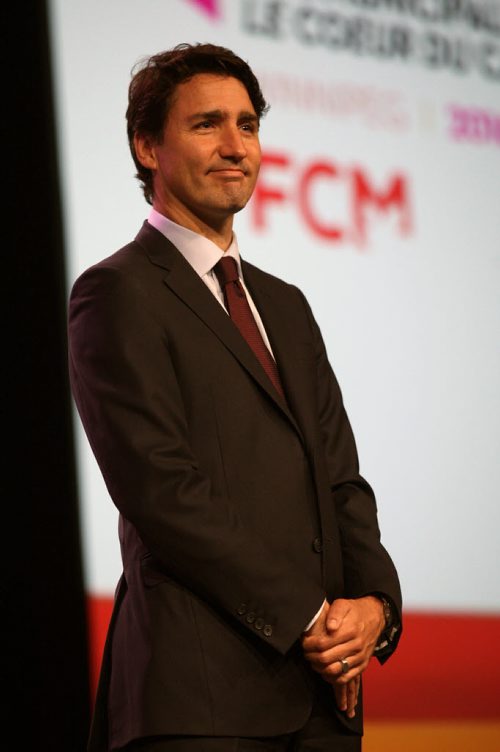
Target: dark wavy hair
point(153, 84)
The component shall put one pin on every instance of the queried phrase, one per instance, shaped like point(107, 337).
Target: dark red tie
point(237, 304)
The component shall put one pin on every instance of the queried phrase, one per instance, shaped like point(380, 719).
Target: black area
point(43, 658)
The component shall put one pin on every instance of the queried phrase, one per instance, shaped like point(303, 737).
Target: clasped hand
point(346, 630)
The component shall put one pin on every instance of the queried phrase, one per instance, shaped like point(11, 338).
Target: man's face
point(207, 164)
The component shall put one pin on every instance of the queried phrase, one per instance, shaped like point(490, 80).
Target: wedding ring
point(344, 664)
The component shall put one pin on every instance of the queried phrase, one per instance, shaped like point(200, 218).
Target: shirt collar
point(200, 252)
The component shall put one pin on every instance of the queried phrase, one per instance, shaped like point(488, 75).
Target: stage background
point(379, 196)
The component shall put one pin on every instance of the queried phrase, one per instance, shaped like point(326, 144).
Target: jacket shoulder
point(133, 259)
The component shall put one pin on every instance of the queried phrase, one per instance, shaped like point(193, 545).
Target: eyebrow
point(222, 115)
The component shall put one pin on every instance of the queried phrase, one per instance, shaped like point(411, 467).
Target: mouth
point(229, 172)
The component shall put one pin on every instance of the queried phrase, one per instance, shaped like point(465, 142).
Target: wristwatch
point(389, 630)
point(388, 615)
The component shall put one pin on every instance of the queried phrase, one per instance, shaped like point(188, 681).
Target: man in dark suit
point(255, 587)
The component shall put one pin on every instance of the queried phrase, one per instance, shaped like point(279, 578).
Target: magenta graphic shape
point(210, 7)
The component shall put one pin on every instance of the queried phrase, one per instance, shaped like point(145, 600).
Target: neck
point(219, 232)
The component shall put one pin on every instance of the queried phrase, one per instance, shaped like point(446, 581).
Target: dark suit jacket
point(238, 512)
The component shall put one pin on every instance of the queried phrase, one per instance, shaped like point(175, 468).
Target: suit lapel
point(293, 368)
point(186, 284)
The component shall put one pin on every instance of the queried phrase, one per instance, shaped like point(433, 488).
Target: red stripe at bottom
point(447, 666)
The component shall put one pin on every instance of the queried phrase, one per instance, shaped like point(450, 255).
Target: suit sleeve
point(127, 393)
point(368, 568)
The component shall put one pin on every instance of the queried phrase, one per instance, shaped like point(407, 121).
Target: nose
point(232, 145)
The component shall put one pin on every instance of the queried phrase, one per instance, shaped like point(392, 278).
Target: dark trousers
point(322, 733)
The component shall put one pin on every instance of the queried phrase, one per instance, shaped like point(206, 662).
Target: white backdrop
point(379, 197)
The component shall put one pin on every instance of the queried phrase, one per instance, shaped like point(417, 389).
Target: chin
point(235, 201)
point(236, 207)
point(229, 207)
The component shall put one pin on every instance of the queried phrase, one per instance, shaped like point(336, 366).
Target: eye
point(249, 127)
point(204, 125)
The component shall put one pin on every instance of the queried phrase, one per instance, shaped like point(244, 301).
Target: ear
point(145, 151)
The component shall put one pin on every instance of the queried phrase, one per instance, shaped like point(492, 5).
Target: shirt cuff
point(315, 617)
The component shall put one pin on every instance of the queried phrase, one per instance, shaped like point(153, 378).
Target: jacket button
point(259, 622)
point(268, 630)
point(318, 545)
point(250, 617)
point(242, 609)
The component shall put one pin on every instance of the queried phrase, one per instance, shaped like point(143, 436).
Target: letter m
point(365, 196)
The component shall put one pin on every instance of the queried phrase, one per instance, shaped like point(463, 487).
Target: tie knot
point(226, 270)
